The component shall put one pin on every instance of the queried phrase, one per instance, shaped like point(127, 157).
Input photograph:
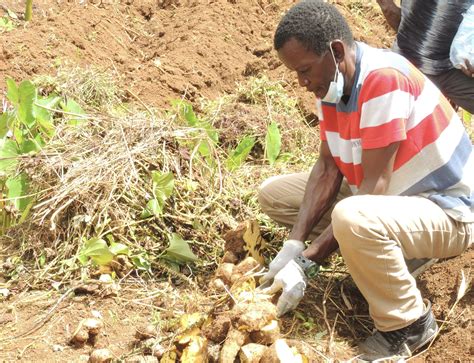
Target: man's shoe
point(403, 342)
point(417, 265)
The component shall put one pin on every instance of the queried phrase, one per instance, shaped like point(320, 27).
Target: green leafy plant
point(178, 252)
point(272, 142)
point(26, 126)
point(162, 189)
point(240, 153)
point(99, 252)
point(6, 24)
point(204, 142)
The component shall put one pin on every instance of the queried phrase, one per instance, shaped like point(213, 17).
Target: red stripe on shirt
point(382, 81)
point(383, 135)
point(425, 133)
point(353, 173)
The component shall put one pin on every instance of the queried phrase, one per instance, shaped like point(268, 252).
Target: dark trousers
point(457, 87)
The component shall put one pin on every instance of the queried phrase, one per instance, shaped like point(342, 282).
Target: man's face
point(314, 72)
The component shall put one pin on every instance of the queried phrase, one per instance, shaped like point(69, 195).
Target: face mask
point(336, 87)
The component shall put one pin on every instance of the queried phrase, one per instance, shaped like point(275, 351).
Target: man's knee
point(345, 219)
point(265, 195)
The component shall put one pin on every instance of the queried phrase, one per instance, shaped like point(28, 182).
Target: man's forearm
point(391, 12)
point(321, 190)
point(322, 247)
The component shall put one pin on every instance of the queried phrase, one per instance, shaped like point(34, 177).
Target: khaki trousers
point(376, 233)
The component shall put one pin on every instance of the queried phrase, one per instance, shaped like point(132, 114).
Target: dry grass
point(93, 181)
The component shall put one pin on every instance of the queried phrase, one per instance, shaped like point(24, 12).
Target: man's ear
point(338, 49)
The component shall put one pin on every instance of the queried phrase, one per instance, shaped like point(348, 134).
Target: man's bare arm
point(321, 190)
point(392, 13)
point(377, 165)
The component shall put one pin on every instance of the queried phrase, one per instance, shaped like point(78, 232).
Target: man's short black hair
point(315, 24)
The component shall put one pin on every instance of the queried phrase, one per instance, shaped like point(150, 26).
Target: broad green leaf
point(97, 250)
point(141, 262)
point(272, 142)
point(12, 92)
point(163, 184)
point(185, 111)
point(29, 146)
point(6, 119)
point(204, 149)
point(27, 96)
point(74, 108)
point(240, 153)
point(8, 156)
point(153, 208)
point(210, 130)
point(46, 127)
point(17, 187)
point(43, 115)
point(179, 250)
point(19, 134)
point(119, 249)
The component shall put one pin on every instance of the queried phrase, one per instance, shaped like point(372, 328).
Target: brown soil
point(166, 49)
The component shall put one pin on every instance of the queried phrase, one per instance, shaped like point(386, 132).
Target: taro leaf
point(179, 251)
point(119, 249)
point(17, 190)
point(27, 96)
point(43, 114)
point(204, 149)
point(97, 250)
point(240, 153)
point(29, 146)
point(5, 121)
point(76, 110)
point(141, 262)
point(8, 156)
point(272, 142)
point(153, 208)
point(211, 131)
point(12, 92)
point(185, 111)
point(163, 185)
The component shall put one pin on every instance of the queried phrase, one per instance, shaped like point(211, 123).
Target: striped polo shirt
point(391, 101)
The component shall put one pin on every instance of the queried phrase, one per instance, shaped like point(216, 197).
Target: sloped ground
point(166, 49)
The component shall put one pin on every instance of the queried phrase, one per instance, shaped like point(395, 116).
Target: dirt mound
point(163, 49)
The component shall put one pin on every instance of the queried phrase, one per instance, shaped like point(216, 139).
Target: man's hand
point(391, 12)
point(291, 248)
point(292, 280)
point(468, 70)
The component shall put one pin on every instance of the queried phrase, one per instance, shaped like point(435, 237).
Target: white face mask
point(336, 87)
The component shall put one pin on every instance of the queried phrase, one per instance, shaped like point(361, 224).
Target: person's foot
point(417, 265)
point(403, 342)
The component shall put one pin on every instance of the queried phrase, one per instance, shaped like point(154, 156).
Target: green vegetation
point(146, 191)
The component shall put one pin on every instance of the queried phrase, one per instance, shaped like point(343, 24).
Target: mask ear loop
point(337, 71)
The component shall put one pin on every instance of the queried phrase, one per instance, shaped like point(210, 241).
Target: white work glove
point(292, 280)
point(291, 248)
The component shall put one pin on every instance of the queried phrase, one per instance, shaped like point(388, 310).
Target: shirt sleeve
point(386, 100)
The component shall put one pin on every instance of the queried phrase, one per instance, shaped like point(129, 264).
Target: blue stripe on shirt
point(447, 175)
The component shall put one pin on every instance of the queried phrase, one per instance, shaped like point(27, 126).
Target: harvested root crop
point(254, 315)
point(235, 340)
point(288, 351)
point(86, 332)
point(101, 356)
point(267, 335)
point(252, 353)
